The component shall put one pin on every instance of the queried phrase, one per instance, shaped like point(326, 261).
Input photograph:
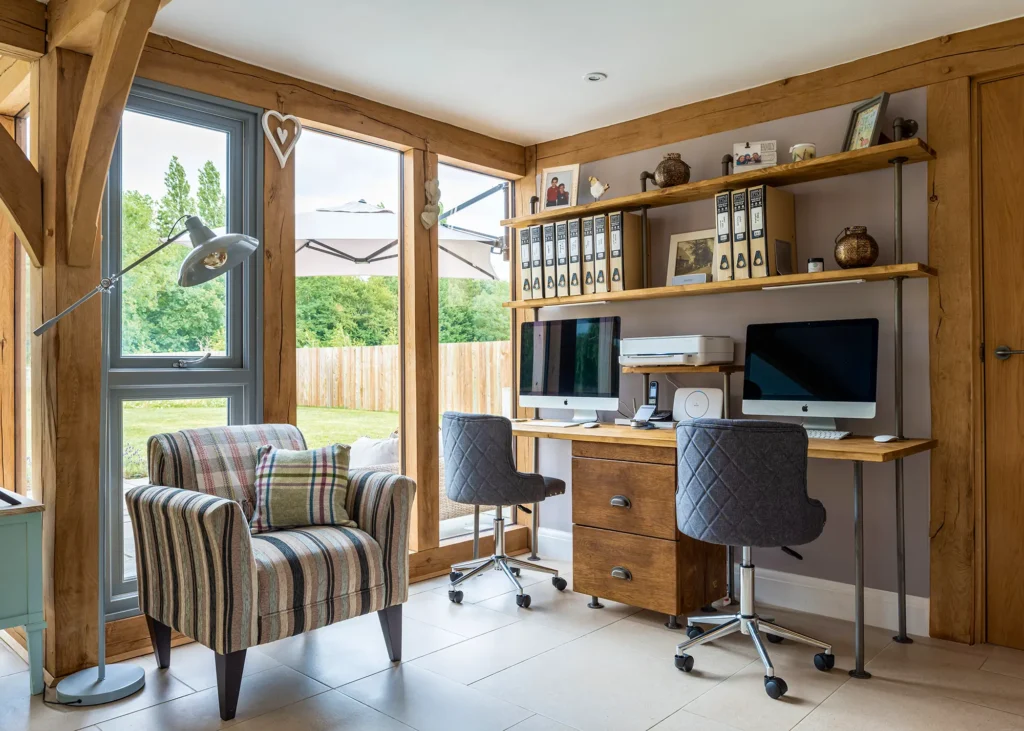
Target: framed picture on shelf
point(559, 187)
point(865, 123)
point(690, 257)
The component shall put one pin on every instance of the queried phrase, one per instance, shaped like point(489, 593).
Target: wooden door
point(1001, 120)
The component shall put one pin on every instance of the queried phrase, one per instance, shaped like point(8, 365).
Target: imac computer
point(815, 370)
point(570, 364)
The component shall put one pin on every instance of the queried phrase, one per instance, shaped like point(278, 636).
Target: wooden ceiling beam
point(15, 85)
point(122, 38)
point(76, 24)
point(22, 29)
point(21, 196)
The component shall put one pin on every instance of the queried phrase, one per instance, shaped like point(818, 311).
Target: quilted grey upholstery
point(744, 483)
point(480, 468)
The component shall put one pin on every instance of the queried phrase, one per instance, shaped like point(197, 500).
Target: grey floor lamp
point(211, 256)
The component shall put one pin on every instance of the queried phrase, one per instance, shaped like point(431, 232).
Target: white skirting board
point(835, 599)
point(554, 544)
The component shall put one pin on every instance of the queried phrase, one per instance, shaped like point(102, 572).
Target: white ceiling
point(514, 69)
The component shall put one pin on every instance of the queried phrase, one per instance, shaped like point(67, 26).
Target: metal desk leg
point(901, 560)
point(730, 551)
point(476, 532)
point(858, 564)
point(534, 533)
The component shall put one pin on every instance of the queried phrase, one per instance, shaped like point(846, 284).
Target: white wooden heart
point(428, 217)
point(282, 134)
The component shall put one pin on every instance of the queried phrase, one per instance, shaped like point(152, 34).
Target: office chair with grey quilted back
point(480, 469)
point(744, 483)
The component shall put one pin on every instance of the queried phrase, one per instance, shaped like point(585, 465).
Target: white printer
point(690, 350)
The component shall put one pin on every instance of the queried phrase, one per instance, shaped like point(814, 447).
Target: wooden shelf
point(830, 166)
point(717, 368)
point(870, 274)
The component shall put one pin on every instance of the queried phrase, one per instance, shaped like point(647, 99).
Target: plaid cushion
point(225, 458)
point(299, 488)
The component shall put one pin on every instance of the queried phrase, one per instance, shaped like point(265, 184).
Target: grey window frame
point(236, 376)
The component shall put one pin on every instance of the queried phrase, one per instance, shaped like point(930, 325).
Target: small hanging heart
point(282, 134)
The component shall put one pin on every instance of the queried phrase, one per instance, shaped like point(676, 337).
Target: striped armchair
point(203, 574)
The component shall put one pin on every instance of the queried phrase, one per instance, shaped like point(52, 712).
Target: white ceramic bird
point(597, 188)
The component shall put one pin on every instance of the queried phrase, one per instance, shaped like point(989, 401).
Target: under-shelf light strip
point(815, 284)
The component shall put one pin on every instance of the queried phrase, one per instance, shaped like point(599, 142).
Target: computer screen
point(570, 358)
point(830, 360)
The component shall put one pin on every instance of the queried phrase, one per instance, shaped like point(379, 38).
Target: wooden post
point(526, 187)
point(279, 385)
point(420, 417)
point(65, 385)
point(8, 338)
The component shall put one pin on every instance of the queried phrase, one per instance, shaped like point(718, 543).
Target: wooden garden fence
point(471, 377)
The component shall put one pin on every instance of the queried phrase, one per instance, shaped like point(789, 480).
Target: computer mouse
point(591, 425)
point(886, 438)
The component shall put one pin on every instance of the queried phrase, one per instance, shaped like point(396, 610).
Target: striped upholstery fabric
point(225, 457)
point(311, 577)
point(195, 565)
point(202, 573)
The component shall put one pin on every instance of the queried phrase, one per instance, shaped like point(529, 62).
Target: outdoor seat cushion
point(304, 567)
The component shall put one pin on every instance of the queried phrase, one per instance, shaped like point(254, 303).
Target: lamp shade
point(212, 255)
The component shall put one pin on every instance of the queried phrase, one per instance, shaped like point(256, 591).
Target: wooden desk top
point(26, 505)
point(863, 449)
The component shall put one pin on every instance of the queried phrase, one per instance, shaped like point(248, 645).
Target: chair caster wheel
point(775, 687)
point(824, 662)
point(774, 639)
point(455, 596)
point(515, 570)
point(523, 600)
point(694, 632)
point(684, 663)
point(559, 583)
point(454, 576)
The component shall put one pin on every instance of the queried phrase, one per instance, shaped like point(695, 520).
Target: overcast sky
point(330, 171)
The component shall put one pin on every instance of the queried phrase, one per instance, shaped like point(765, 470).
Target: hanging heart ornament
point(281, 139)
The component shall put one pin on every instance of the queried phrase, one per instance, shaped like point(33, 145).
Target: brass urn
point(671, 171)
point(855, 248)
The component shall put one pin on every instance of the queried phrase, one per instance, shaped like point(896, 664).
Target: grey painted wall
point(823, 208)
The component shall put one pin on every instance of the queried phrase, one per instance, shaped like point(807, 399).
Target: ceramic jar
point(671, 171)
point(855, 248)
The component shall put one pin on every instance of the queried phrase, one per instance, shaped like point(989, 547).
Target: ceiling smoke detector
point(595, 76)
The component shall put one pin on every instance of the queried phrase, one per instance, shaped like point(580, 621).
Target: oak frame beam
point(21, 196)
point(15, 85)
point(111, 73)
point(76, 24)
point(22, 29)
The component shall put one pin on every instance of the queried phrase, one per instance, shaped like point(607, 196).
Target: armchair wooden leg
point(229, 681)
point(160, 636)
point(391, 625)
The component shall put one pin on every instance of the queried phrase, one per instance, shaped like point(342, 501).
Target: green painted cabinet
point(21, 576)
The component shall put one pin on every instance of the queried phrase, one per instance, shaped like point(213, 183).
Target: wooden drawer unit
point(625, 496)
point(645, 573)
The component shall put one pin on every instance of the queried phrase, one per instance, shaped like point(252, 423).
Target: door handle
point(620, 501)
point(1003, 352)
point(622, 573)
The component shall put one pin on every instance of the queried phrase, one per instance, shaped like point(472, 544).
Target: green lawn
point(319, 425)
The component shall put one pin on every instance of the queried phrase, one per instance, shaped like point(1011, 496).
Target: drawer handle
point(622, 573)
point(621, 501)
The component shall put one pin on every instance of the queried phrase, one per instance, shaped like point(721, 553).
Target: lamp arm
point(105, 285)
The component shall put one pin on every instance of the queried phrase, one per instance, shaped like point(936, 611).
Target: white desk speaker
point(697, 403)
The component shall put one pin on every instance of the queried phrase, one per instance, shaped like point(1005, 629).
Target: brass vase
point(855, 248)
point(671, 171)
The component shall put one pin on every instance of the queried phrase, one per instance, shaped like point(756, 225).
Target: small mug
point(803, 151)
point(815, 265)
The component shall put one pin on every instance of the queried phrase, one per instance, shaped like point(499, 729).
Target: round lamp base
point(84, 688)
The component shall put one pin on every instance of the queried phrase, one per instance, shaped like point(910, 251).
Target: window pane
point(170, 169)
point(473, 328)
point(139, 421)
point(347, 296)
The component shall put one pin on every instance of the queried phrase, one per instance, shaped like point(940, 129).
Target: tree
point(210, 198)
point(177, 201)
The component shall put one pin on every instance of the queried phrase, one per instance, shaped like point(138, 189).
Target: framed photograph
point(690, 257)
point(559, 187)
point(866, 123)
point(754, 155)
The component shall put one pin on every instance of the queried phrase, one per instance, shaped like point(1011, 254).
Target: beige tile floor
point(558, 666)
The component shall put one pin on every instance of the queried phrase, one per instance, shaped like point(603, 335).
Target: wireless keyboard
point(826, 434)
